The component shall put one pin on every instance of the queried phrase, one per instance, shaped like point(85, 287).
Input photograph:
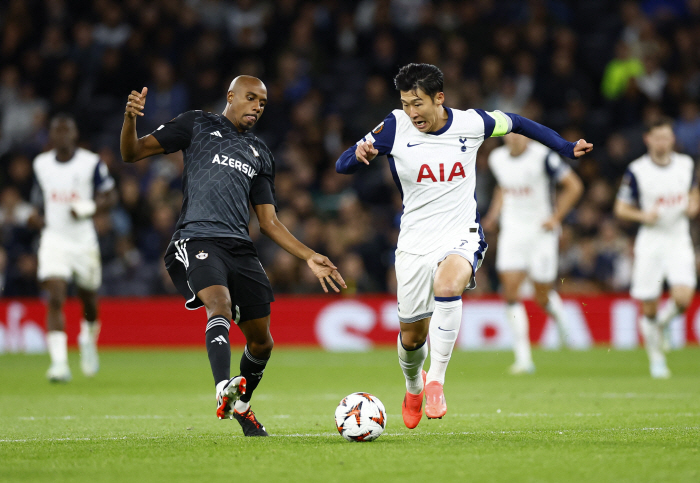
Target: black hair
point(427, 77)
point(659, 122)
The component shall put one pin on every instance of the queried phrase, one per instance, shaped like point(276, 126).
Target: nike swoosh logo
point(446, 330)
point(409, 145)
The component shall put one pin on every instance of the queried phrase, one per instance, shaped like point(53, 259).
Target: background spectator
point(329, 68)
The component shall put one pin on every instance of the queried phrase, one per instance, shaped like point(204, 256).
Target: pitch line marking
point(333, 435)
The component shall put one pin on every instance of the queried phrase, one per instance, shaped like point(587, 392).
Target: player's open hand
point(325, 271)
point(365, 152)
point(582, 147)
point(136, 103)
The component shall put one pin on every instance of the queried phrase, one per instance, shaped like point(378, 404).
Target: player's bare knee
point(448, 288)
point(649, 308)
point(219, 305)
point(413, 340)
point(542, 299)
point(261, 348)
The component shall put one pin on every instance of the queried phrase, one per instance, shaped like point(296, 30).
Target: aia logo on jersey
point(518, 191)
point(201, 256)
point(426, 173)
point(670, 200)
point(64, 196)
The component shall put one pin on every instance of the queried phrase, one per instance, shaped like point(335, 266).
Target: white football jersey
point(436, 174)
point(63, 183)
point(526, 182)
point(662, 188)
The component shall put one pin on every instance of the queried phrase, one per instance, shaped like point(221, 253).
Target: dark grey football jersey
point(224, 169)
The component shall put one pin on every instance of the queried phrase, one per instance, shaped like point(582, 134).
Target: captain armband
point(504, 124)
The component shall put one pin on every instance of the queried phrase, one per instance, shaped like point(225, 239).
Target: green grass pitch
point(150, 416)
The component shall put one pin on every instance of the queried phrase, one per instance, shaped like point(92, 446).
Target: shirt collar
point(447, 125)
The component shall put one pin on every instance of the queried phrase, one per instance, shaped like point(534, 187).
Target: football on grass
point(360, 417)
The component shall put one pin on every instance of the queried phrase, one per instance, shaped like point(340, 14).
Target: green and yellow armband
point(503, 124)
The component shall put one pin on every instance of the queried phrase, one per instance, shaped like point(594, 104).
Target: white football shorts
point(79, 262)
point(415, 274)
point(533, 251)
point(656, 260)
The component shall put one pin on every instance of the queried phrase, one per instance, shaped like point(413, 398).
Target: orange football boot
point(412, 407)
point(435, 405)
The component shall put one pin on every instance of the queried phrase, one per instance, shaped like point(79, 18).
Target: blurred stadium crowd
point(597, 69)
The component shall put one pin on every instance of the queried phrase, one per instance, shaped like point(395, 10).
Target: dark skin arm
point(131, 146)
point(273, 228)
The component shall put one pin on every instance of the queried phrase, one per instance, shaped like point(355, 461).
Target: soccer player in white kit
point(72, 184)
point(432, 155)
point(528, 240)
point(660, 191)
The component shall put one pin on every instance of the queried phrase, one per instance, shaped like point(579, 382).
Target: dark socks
point(252, 369)
point(219, 348)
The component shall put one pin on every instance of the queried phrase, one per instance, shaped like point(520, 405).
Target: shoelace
point(250, 416)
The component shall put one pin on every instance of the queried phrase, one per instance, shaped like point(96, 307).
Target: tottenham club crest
point(201, 255)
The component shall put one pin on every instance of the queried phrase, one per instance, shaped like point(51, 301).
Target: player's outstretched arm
point(273, 228)
point(350, 160)
point(132, 148)
point(548, 137)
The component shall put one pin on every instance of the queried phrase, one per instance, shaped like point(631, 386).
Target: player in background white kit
point(528, 239)
point(72, 184)
point(660, 191)
point(432, 155)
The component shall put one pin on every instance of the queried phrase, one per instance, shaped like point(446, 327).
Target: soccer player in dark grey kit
point(211, 258)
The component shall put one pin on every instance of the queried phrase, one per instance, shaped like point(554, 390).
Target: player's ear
point(229, 97)
point(439, 98)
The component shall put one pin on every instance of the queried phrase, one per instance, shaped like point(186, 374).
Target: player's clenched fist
point(582, 147)
point(365, 152)
point(136, 103)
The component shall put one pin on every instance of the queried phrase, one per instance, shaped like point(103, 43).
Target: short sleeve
point(37, 195)
point(629, 191)
point(102, 179)
point(262, 190)
point(382, 136)
point(556, 168)
point(176, 135)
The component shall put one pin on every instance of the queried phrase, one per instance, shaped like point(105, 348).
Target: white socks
point(555, 308)
point(411, 363)
point(241, 406)
point(444, 328)
point(57, 343)
point(651, 331)
point(519, 324)
point(89, 329)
